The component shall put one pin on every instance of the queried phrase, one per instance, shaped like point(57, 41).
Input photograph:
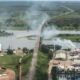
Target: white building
point(60, 54)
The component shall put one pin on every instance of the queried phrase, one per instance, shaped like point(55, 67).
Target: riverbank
point(72, 37)
point(4, 33)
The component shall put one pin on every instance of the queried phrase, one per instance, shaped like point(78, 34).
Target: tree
point(57, 47)
point(76, 25)
point(9, 51)
point(44, 49)
point(53, 73)
point(25, 50)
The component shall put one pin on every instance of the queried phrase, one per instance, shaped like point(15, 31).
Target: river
point(15, 42)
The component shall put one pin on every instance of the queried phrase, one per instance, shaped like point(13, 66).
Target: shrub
point(9, 51)
point(25, 50)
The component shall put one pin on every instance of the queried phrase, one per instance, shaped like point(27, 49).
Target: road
point(32, 71)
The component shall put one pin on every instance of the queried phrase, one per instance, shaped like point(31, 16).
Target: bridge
point(32, 70)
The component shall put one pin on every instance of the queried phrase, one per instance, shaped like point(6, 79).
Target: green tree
point(9, 51)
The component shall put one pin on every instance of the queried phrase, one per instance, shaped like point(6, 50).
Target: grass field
point(12, 62)
point(42, 67)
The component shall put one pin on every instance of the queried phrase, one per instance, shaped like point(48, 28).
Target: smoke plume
point(34, 19)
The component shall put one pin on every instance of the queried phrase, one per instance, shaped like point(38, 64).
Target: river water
point(15, 42)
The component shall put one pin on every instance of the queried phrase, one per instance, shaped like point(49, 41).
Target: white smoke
point(50, 32)
point(64, 43)
point(34, 19)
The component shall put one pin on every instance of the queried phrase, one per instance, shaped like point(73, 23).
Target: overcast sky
point(39, 0)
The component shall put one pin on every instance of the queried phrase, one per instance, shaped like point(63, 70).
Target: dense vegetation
point(54, 74)
point(66, 23)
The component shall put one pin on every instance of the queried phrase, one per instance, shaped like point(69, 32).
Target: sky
point(39, 0)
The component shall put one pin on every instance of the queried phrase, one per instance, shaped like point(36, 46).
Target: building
point(60, 54)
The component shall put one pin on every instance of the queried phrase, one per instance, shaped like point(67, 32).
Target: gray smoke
point(35, 17)
point(64, 43)
point(50, 32)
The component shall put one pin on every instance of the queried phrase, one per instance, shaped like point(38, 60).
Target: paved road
point(32, 70)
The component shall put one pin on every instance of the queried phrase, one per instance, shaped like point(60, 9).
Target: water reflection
point(13, 42)
point(73, 76)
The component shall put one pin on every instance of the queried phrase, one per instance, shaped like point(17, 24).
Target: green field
point(74, 38)
point(66, 22)
point(12, 62)
point(42, 67)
